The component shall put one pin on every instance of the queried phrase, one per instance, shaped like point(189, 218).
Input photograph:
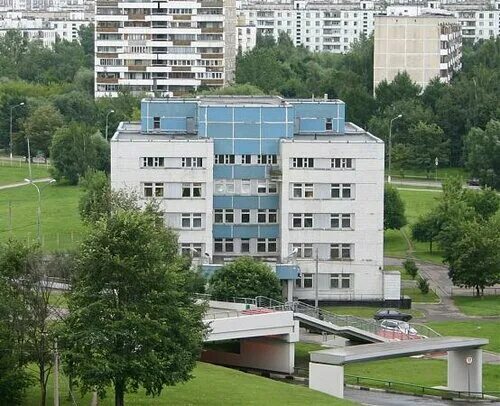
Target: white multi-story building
point(164, 48)
point(285, 181)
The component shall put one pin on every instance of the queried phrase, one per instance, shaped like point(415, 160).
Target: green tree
point(483, 153)
point(95, 202)
point(400, 88)
point(86, 36)
point(76, 106)
point(76, 149)
point(394, 209)
point(485, 202)
point(428, 143)
point(131, 323)
point(410, 267)
point(427, 228)
point(12, 48)
point(245, 277)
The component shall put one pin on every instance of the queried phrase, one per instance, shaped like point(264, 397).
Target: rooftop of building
point(227, 100)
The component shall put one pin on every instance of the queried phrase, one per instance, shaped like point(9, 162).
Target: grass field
point(479, 306)
point(419, 297)
point(16, 173)
point(442, 173)
point(400, 269)
point(211, 386)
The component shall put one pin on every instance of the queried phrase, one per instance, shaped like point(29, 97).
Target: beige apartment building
point(425, 46)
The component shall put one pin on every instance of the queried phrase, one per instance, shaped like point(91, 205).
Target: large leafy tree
point(132, 322)
point(245, 277)
point(427, 142)
point(394, 209)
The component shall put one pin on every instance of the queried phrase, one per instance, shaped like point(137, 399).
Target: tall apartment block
point(286, 181)
point(425, 46)
point(163, 48)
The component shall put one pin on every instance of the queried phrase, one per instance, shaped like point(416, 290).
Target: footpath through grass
point(479, 306)
point(211, 386)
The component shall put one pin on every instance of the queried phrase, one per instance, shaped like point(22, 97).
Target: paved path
point(12, 185)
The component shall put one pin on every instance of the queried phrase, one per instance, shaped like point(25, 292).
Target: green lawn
point(61, 225)
point(479, 306)
point(401, 269)
point(58, 299)
point(365, 311)
point(211, 386)
point(16, 173)
point(422, 174)
point(419, 297)
point(489, 329)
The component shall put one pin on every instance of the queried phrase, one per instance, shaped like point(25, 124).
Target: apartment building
point(286, 181)
point(425, 46)
point(164, 48)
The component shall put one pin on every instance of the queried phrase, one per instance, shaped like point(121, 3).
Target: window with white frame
point(245, 159)
point(303, 190)
point(191, 190)
point(191, 249)
point(224, 187)
point(266, 245)
point(341, 280)
point(341, 190)
point(302, 162)
point(245, 215)
point(266, 187)
point(245, 245)
point(303, 250)
point(305, 281)
point(267, 159)
point(342, 163)
point(152, 189)
point(224, 159)
point(246, 186)
point(267, 216)
point(192, 162)
point(302, 220)
point(340, 221)
point(339, 252)
point(224, 216)
point(191, 220)
point(152, 162)
point(223, 245)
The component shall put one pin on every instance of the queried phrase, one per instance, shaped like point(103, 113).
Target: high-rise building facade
point(286, 181)
point(164, 48)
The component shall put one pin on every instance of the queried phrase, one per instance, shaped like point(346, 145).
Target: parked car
point(392, 314)
point(473, 182)
point(398, 327)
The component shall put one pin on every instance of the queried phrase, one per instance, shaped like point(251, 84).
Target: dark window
point(156, 122)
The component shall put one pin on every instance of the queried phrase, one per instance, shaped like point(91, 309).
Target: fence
point(23, 162)
point(491, 291)
point(49, 242)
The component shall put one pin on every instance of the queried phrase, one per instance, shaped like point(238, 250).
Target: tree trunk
point(43, 388)
point(478, 292)
point(119, 393)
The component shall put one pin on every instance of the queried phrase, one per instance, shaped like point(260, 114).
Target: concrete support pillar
point(289, 291)
point(465, 370)
point(326, 378)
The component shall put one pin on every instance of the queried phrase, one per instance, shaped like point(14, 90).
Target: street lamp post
point(390, 146)
point(107, 118)
point(10, 140)
point(39, 210)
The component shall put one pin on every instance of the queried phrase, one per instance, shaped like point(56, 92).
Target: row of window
point(338, 251)
point(337, 281)
point(228, 187)
point(159, 162)
point(338, 221)
point(231, 159)
point(335, 163)
point(264, 245)
point(337, 190)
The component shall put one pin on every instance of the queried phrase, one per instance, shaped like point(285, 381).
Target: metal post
point(29, 157)
point(56, 374)
point(316, 280)
point(390, 146)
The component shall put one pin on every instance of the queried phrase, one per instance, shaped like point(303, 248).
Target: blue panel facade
point(287, 271)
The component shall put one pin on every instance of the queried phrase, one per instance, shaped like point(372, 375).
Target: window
point(303, 190)
point(267, 216)
point(153, 189)
point(328, 124)
point(267, 159)
point(224, 216)
point(341, 191)
point(266, 245)
point(156, 123)
point(264, 187)
point(245, 215)
point(340, 221)
point(153, 162)
point(245, 245)
point(224, 159)
point(340, 280)
point(340, 251)
point(191, 249)
point(224, 245)
point(342, 163)
point(245, 159)
point(302, 162)
point(192, 162)
point(191, 190)
point(303, 250)
point(246, 186)
point(302, 220)
point(224, 187)
point(191, 220)
point(305, 281)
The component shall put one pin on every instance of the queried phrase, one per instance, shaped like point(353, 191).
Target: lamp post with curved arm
point(39, 210)
point(390, 146)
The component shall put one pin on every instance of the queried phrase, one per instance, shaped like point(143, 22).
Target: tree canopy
point(394, 209)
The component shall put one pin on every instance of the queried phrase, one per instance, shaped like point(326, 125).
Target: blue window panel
point(223, 202)
point(222, 231)
point(287, 271)
point(220, 130)
point(291, 129)
point(312, 125)
point(246, 231)
point(223, 171)
point(249, 172)
point(269, 231)
point(275, 114)
point(219, 114)
point(222, 146)
point(173, 124)
point(246, 130)
point(273, 130)
point(243, 147)
point(270, 147)
point(247, 114)
point(269, 202)
point(246, 202)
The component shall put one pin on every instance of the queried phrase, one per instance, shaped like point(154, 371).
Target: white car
point(397, 326)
